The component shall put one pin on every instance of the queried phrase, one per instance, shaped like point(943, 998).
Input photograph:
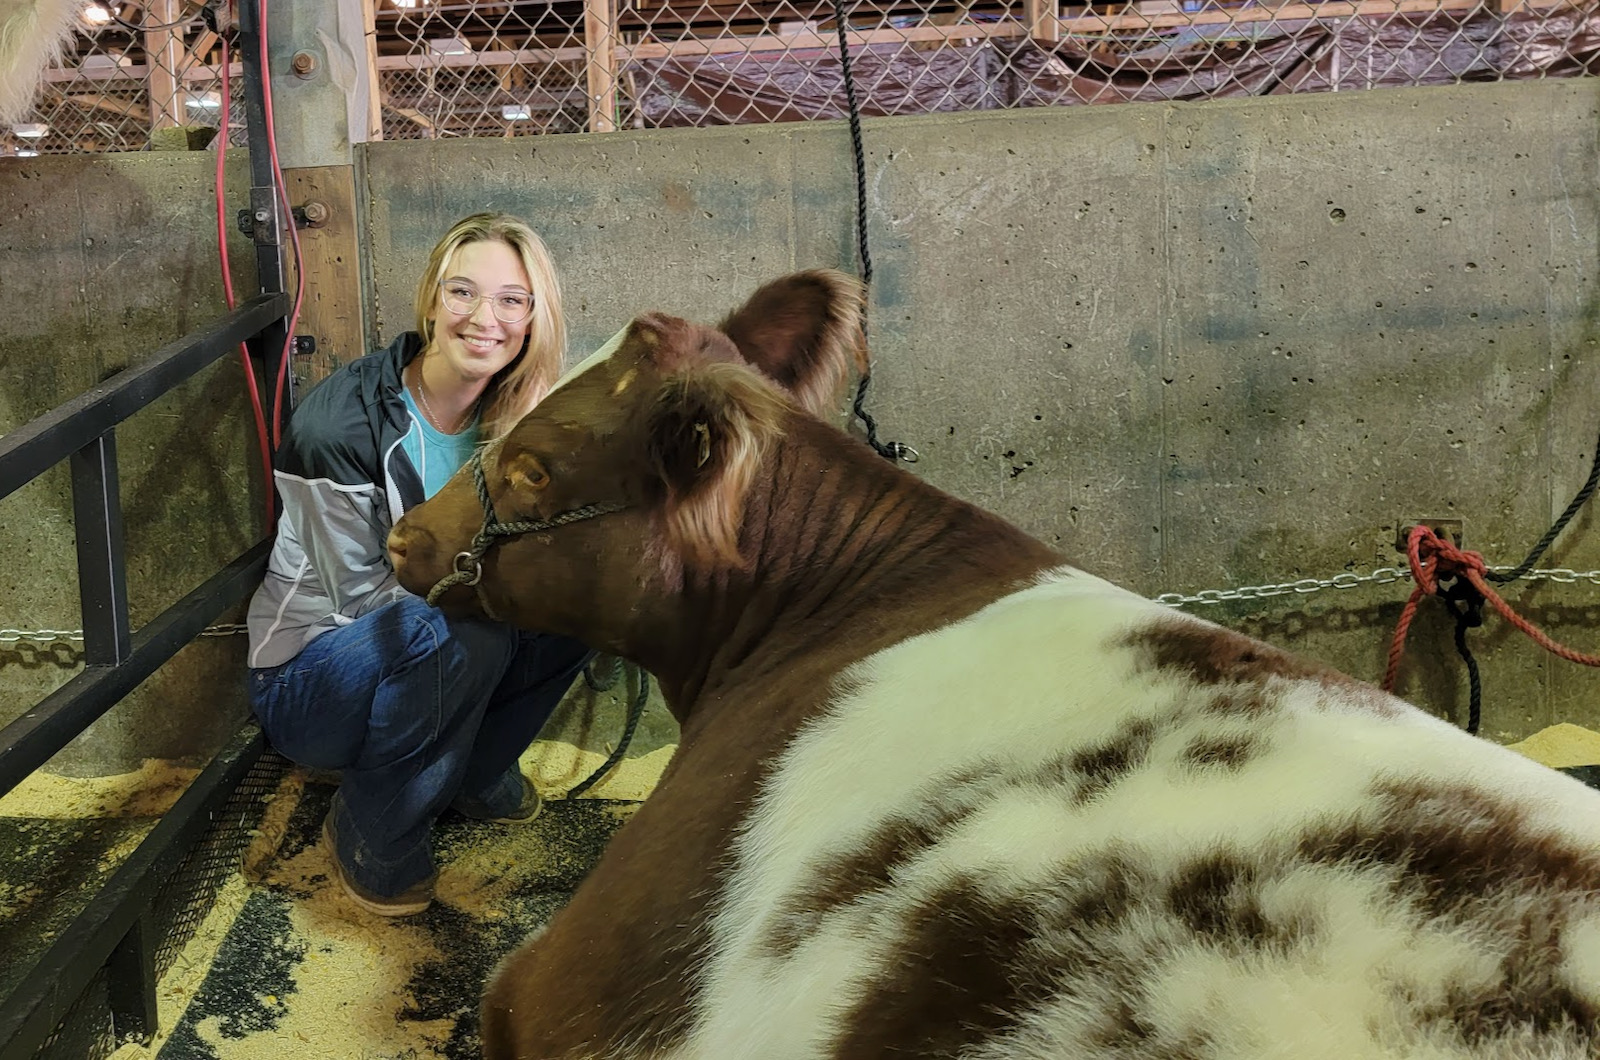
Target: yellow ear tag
point(704, 434)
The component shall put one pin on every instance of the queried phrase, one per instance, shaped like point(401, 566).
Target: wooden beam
point(1292, 12)
point(164, 46)
point(804, 40)
point(96, 101)
point(600, 44)
point(331, 312)
point(369, 13)
point(1042, 17)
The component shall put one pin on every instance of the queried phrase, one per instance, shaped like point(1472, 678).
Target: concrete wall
point(1194, 346)
point(102, 262)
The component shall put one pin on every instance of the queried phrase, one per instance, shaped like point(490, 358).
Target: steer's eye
point(526, 472)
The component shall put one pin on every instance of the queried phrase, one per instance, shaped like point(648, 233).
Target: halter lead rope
point(470, 572)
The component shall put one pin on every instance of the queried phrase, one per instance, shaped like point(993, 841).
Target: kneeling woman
point(420, 712)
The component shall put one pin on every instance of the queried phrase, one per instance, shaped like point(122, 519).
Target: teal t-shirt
point(434, 454)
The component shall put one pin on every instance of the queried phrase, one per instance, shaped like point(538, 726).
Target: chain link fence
point(142, 75)
point(134, 77)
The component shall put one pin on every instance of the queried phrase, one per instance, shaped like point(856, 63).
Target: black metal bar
point(31, 740)
point(34, 448)
point(102, 583)
point(33, 1011)
point(131, 982)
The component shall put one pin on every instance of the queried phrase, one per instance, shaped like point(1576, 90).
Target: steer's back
point(1079, 825)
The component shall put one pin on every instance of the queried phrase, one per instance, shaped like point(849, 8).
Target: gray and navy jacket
point(343, 481)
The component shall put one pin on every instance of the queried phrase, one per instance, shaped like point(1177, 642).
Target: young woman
point(419, 712)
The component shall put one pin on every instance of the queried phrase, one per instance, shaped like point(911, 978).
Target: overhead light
point(515, 112)
point(32, 130)
point(408, 5)
point(97, 14)
point(449, 46)
point(27, 154)
point(204, 101)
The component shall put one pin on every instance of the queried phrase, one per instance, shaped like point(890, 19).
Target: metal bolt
point(304, 64)
point(262, 215)
point(316, 213)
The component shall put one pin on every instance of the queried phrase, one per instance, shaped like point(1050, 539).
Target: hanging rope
point(1584, 493)
point(887, 450)
point(1436, 562)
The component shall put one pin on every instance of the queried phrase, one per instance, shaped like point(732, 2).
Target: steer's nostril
point(396, 545)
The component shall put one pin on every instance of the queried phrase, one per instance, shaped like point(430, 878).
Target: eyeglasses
point(509, 307)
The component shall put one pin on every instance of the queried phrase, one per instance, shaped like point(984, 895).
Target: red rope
point(1434, 559)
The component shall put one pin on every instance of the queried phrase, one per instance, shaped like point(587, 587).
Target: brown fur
point(710, 429)
point(804, 332)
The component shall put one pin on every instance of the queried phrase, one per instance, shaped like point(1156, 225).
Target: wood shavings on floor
point(1562, 746)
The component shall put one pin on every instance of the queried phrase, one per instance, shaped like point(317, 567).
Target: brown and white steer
point(941, 794)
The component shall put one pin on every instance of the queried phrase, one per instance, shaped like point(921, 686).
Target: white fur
point(1045, 671)
point(32, 33)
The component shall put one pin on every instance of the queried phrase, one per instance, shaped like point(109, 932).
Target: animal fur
point(32, 34)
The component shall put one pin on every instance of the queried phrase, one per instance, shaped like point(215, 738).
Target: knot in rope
point(1435, 559)
point(1463, 575)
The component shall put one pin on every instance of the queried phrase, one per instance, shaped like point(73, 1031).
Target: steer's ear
point(804, 332)
point(708, 430)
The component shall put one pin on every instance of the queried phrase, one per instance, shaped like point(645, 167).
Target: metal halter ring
point(476, 568)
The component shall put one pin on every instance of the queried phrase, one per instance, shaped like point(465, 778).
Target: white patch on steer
point(974, 720)
point(600, 356)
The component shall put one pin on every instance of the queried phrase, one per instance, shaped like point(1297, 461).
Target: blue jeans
point(417, 710)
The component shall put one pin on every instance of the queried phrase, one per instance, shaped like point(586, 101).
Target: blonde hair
point(520, 385)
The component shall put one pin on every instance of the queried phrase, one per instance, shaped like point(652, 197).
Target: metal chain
point(1347, 580)
point(1303, 587)
point(75, 636)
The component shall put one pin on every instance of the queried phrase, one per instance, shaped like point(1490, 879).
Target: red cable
point(1433, 558)
point(259, 414)
point(288, 213)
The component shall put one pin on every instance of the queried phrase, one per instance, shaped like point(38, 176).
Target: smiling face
point(476, 345)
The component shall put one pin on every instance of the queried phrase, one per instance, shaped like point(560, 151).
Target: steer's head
point(665, 429)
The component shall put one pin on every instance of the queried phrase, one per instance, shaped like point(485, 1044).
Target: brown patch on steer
point(1211, 655)
point(1221, 752)
point(959, 981)
point(1455, 846)
point(1102, 766)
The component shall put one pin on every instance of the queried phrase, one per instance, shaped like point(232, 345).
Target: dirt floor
point(300, 971)
point(283, 965)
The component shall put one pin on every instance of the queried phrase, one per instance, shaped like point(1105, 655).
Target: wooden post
point(165, 51)
point(332, 312)
point(600, 43)
point(374, 83)
point(1042, 21)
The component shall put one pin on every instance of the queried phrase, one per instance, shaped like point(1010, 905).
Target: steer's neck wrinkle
point(846, 550)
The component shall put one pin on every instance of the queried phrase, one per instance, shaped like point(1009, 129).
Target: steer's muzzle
point(413, 554)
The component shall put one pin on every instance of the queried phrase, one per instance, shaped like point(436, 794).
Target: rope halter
point(468, 566)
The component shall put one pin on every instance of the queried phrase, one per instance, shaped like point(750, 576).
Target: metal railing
point(114, 939)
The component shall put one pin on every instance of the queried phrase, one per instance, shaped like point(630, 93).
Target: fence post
point(97, 522)
point(1041, 16)
point(600, 47)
